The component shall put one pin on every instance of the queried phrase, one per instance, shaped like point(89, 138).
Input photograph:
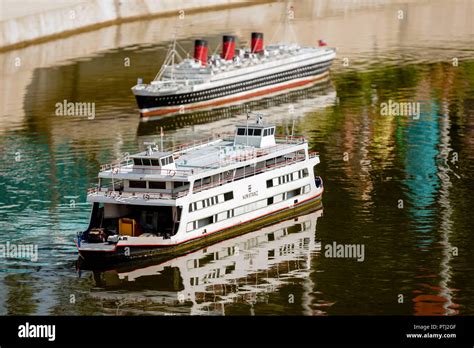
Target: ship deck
point(195, 158)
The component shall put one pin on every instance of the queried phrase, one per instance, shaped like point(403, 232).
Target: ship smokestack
point(257, 43)
point(228, 47)
point(200, 51)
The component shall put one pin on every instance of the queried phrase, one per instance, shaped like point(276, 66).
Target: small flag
point(322, 43)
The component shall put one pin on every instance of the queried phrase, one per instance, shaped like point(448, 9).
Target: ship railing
point(232, 177)
point(127, 162)
point(196, 143)
point(117, 165)
point(117, 185)
point(229, 137)
point(145, 195)
point(167, 173)
point(290, 139)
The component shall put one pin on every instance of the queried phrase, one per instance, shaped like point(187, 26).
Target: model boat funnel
point(257, 43)
point(200, 51)
point(228, 47)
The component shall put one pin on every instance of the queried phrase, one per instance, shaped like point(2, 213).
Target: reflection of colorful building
point(426, 153)
point(422, 138)
point(243, 270)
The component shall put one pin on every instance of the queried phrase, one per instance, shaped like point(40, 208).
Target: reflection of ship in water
point(298, 101)
point(241, 270)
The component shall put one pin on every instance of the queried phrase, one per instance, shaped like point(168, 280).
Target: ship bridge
point(257, 135)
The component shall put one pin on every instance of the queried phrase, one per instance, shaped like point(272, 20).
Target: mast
point(172, 57)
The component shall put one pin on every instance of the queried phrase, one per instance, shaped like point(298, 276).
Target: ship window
point(157, 185)
point(257, 132)
point(190, 207)
point(265, 132)
point(155, 162)
point(137, 184)
point(293, 193)
point(240, 131)
point(179, 184)
point(250, 131)
point(228, 196)
point(269, 183)
point(305, 172)
point(273, 131)
point(270, 201)
point(137, 161)
point(204, 222)
point(166, 160)
point(146, 162)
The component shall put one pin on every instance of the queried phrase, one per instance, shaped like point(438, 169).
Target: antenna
point(258, 115)
point(285, 24)
point(150, 144)
point(172, 52)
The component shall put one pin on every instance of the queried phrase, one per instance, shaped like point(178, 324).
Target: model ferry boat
point(161, 203)
point(235, 75)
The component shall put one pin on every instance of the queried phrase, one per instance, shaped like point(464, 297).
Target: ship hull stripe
point(221, 101)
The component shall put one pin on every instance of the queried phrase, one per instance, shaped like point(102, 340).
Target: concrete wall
point(51, 21)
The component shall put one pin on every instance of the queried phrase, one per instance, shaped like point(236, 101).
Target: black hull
point(180, 100)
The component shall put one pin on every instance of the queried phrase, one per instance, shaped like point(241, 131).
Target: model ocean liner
point(235, 75)
point(160, 203)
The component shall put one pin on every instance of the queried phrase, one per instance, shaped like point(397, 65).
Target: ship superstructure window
point(157, 185)
point(268, 131)
point(208, 202)
point(283, 179)
point(166, 160)
point(243, 209)
point(178, 184)
point(137, 184)
point(148, 161)
point(228, 195)
point(250, 131)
